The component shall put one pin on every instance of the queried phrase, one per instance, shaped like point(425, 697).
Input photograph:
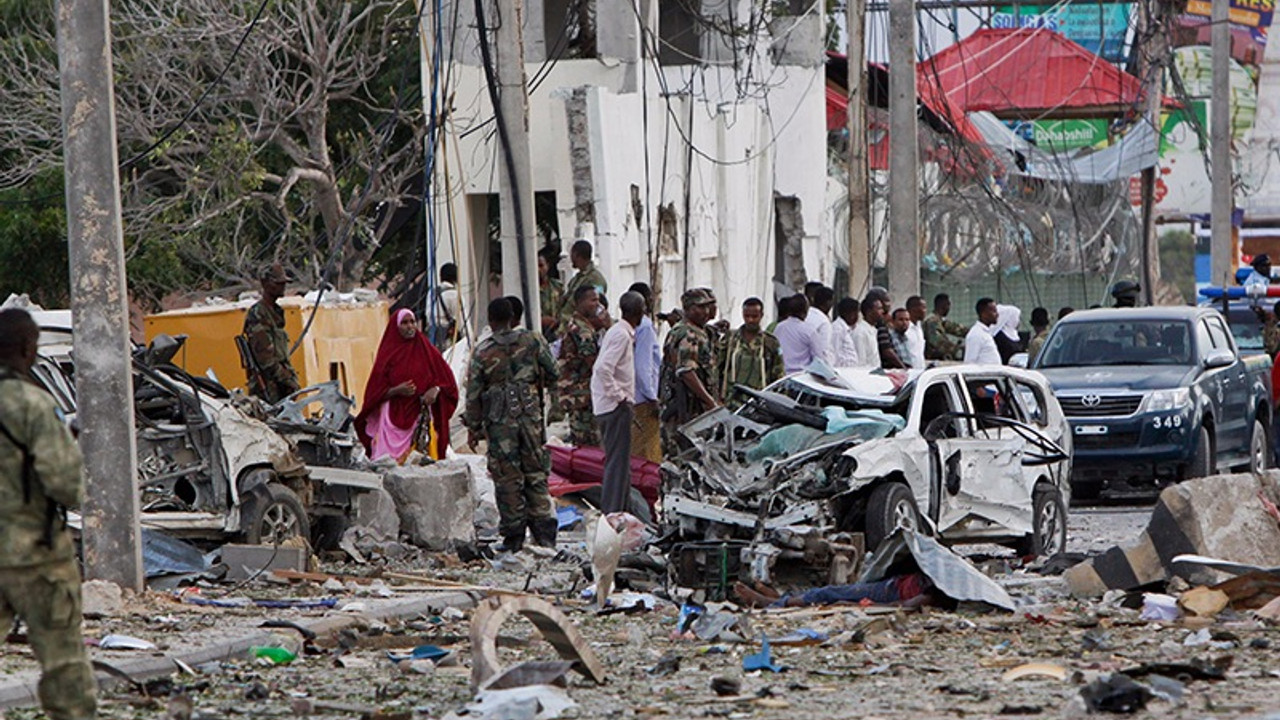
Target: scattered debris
point(1159, 607)
point(534, 702)
point(762, 660)
point(1203, 602)
point(1115, 693)
point(604, 545)
point(1055, 672)
point(274, 655)
point(125, 642)
point(951, 574)
point(725, 687)
point(669, 664)
point(251, 561)
point(551, 623)
point(100, 598)
point(549, 672)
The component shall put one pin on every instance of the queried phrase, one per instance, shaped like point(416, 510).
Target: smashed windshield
point(1140, 342)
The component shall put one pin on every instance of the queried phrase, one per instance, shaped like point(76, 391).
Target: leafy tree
point(309, 132)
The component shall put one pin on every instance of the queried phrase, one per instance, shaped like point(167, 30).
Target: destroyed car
point(214, 464)
point(791, 482)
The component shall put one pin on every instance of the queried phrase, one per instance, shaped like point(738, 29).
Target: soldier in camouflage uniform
point(508, 372)
point(1270, 328)
point(588, 276)
point(40, 470)
point(579, 346)
point(688, 379)
point(943, 338)
point(749, 356)
point(273, 378)
point(550, 290)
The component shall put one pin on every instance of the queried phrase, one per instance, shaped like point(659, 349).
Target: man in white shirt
point(798, 339)
point(915, 331)
point(866, 333)
point(819, 318)
point(844, 346)
point(613, 388)
point(979, 345)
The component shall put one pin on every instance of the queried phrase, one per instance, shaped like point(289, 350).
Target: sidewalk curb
point(22, 692)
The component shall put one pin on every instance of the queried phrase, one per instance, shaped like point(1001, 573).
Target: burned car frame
point(213, 464)
point(793, 486)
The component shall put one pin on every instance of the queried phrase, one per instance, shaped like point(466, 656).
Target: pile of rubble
point(413, 621)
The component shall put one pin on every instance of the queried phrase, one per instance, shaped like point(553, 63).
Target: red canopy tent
point(1026, 73)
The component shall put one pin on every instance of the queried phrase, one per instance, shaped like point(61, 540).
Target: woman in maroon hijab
point(409, 375)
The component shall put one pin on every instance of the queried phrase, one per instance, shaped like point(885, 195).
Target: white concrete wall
point(750, 145)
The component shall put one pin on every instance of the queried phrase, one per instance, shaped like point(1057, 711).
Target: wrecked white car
point(214, 464)
point(794, 483)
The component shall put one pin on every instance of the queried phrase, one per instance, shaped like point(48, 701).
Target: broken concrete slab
point(101, 598)
point(435, 503)
point(246, 561)
point(1223, 516)
point(554, 626)
point(376, 512)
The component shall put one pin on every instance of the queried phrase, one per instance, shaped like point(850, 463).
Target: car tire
point(1259, 449)
point(890, 505)
point(272, 515)
point(1202, 462)
point(1048, 522)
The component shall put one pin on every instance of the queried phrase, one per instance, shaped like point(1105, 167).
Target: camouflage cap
point(273, 273)
point(697, 296)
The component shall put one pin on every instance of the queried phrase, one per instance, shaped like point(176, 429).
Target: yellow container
point(340, 345)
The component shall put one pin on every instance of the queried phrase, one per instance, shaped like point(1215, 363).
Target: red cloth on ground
point(415, 359)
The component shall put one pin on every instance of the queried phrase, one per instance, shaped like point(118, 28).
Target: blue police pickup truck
point(1156, 395)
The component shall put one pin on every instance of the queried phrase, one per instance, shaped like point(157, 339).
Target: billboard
point(1101, 28)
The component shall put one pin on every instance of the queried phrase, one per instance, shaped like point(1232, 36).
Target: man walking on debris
point(688, 376)
point(508, 372)
point(588, 276)
point(579, 346)
point(613, 387)
point(40, 469)
point(271, 376)
point(750, 357)
point(942, 337)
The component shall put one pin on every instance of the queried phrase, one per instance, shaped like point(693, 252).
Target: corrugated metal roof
point(1028, 72)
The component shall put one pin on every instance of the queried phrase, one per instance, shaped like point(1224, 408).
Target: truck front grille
point(1099, 405)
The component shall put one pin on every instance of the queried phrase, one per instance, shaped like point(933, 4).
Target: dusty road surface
point(862, 662)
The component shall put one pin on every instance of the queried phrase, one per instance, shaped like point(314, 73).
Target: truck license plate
point(1091, 429)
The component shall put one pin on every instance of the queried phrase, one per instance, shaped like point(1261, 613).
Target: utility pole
point(1157, 49)
point(903, 257)
point(99, 300)
point(519, 233)
point(860, 260)
point(1221, 248)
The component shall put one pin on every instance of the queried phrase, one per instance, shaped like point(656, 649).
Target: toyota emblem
point(1091, 400)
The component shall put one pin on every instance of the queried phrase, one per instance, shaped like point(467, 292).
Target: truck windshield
point(1144, 342)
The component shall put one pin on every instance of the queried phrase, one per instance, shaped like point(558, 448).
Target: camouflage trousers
point(47, 598)
point(582, 428)
point(519, 464)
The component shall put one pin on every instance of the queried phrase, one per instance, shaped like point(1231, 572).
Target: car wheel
point(1202, 461)
point(890, 506)
point(1048, 522)
point(272, 515)
point(1259, 453)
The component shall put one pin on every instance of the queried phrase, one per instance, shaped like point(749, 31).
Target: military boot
point(544, 531)
point(510, 544)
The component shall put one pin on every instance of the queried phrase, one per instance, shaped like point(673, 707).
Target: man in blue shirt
point(646, 437)
point(799, 340)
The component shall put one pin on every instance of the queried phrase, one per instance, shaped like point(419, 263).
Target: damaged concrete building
point(685, 139)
